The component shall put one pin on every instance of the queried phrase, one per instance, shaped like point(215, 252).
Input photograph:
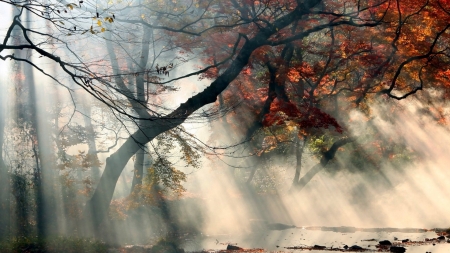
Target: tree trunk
point(299, 147)
point(4, 175)
point(276, 90)
point(138, 170)
point(45, 176)
point(92, 146)
point(252, 174)
point(140, 96)
point(40, 133)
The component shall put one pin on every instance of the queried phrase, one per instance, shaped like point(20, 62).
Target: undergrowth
point(52, 245)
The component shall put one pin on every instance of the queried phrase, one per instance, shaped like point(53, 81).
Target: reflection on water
point(330, 237)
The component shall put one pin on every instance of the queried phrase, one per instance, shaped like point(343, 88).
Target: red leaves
point(281, 112)
point(305, 116)
point(318, 119)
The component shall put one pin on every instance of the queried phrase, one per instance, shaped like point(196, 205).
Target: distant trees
point(297, 65)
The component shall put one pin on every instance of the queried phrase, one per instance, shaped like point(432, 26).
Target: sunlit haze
point(214, 126)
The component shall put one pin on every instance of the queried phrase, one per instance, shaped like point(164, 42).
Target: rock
point(232, 247)
point(405, 240)
point(319, 247)
point(356, 247)
point(345, 247)
point(440, 238)
point(397, 249)
point(385, 243)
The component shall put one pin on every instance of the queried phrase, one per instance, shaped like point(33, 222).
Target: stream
point(332, 238)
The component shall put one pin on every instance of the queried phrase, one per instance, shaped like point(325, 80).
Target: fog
point(202, 183)
point(414, 195)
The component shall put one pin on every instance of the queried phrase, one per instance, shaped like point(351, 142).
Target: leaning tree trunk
point(97, 207)
point(139, 99)
point(327, 156)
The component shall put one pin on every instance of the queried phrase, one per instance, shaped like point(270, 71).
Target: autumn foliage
point(357, 51)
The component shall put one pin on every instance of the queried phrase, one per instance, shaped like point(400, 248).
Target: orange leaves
point(444, 76)
point(438, 114)
point(246, 71)
point(364, 55)
point(269, 143)
point(305, 117)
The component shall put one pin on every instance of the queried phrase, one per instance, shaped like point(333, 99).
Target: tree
point(361, 66)
point(347, 65)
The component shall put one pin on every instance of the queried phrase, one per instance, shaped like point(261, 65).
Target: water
point(281, 240)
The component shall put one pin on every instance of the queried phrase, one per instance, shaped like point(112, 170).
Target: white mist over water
point(416, 196)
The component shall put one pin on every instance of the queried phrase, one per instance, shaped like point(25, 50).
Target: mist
point(186, 126)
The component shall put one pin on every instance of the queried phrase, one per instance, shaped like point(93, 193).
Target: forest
point(189, 125)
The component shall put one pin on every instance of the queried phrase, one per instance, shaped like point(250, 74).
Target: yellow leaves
point(118, 209)
point(70, 6)
point(100, 24)
point(109, 19)
point(269, 143)
point(162, 172)
point(291, 126)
